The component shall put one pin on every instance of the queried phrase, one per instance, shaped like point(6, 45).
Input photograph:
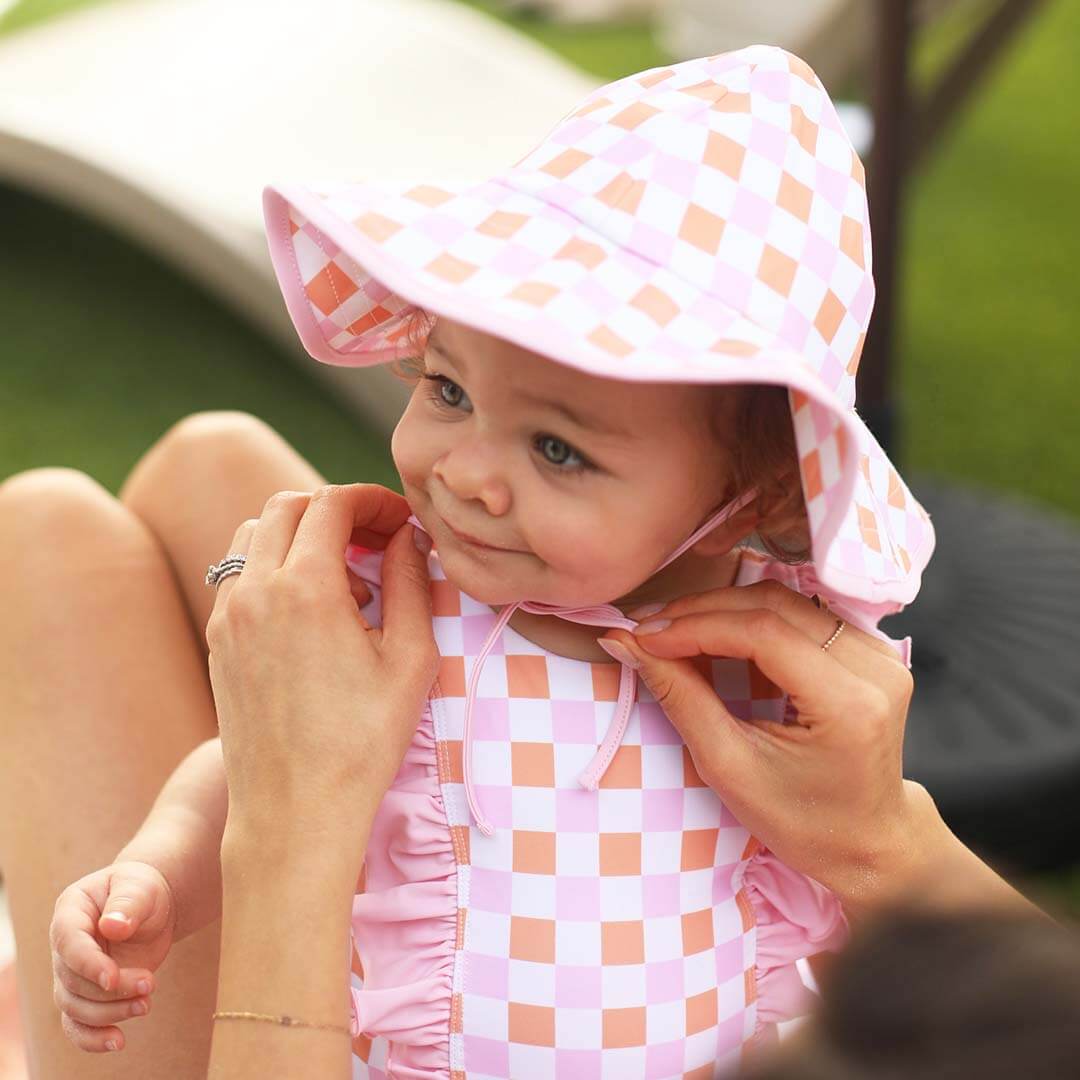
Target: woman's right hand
point(826, 793)
point(110, 931)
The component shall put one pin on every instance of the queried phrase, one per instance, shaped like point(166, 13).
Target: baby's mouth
point(465, 538)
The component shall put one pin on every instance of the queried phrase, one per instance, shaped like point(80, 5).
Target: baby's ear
point(784, 526)
point(728, 534)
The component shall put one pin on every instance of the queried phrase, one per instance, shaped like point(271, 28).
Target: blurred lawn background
point(103, 347)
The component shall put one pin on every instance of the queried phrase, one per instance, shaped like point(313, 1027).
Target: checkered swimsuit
point(607, 933)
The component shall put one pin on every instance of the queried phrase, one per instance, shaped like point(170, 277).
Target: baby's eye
point(438, 393)
point(562, 454)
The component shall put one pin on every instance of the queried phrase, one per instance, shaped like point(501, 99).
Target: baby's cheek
point(406, 449)
point(599, 565)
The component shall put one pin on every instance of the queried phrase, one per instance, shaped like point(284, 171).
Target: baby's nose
point(473, 473)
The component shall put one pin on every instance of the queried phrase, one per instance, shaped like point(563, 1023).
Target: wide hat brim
point(354, 260)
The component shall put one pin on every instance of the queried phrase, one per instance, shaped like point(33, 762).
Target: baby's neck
point(578, 641)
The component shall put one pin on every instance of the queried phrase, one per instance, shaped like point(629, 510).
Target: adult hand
point(315, 707)
point(825, 793)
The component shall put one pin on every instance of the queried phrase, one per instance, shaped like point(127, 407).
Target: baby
point(633, 358)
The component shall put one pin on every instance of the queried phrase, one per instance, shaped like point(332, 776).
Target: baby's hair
point(412, 343)
point(762, 451)
point(758, 435)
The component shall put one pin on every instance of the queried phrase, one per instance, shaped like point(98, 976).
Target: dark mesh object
point(994, 727)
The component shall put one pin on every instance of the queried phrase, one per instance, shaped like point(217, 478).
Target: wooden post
point(885, 180)
point(955, 86)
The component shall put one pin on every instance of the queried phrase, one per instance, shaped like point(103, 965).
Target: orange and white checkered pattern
point(704, 222)
point(596, 933)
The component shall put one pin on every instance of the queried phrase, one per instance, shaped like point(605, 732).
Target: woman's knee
point(209, 472)
point(54, 505)
point(215, 428)
point(198, 446)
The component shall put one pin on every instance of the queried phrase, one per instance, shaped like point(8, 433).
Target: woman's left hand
point(825, 793)
point(315, 707)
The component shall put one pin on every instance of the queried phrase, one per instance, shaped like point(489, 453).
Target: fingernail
point(110, 1045)
point(421, 540)
point(645, 611)
point(653, 627)
point(103, 980)
point(143, 986)
point(619, 652)
point(117, 916)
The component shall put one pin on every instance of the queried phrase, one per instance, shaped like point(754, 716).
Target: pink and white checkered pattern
point(604, 933)
point(704, 222)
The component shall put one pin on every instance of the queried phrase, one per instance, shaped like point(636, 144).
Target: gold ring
point(840, 624)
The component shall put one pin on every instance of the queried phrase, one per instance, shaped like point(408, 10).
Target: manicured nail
point(421, 540)
point(138, 1008)
point(653, 627)
point(645, 611)
point(619, 652)
point(103, 980)
point(117, 916)
point(143, 986)
point(110, 1045)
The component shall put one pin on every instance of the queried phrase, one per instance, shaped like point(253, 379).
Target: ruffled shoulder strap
point(795, 917)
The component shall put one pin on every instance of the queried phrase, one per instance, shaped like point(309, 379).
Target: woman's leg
point(199, 481)
point(102, 692)
point(188, 493)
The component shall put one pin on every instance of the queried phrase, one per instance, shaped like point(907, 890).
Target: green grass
point(29, 12)
point(986, 347)
point(609, 50)
point(104, 347)
point(988, 344)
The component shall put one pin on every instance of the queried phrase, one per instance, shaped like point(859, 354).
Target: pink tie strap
point(593, 615)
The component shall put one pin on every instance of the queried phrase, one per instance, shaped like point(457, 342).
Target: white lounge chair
point(165, 118)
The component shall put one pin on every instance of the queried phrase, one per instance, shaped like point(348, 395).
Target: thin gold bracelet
point(285, 1021)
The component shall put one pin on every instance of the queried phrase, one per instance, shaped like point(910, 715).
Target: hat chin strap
point(606, 615)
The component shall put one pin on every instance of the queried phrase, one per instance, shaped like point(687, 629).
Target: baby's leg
point(103, 689)
point(199, 481)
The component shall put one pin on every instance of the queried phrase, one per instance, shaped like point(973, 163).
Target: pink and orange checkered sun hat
point(704, 222)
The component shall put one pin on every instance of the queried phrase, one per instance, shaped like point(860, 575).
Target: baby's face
point(583, 508)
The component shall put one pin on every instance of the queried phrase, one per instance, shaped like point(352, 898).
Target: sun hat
point(702, 222)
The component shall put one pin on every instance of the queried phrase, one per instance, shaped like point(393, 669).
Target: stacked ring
point(231, 564)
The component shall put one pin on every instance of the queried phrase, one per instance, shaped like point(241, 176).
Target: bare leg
point(103, 689)
point(102, 692)
point(199, 481)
